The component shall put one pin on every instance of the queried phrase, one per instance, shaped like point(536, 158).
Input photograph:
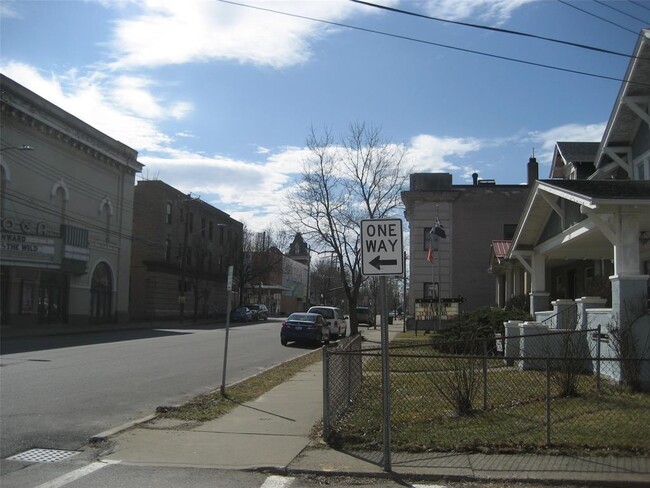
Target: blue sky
point(218, 98)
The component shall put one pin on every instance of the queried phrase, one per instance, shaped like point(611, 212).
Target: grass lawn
point(424, 419)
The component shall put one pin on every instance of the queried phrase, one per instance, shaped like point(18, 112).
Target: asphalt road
point(57, 392)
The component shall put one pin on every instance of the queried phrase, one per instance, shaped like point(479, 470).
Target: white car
point(337, 322)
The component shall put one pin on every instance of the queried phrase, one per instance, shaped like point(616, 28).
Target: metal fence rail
point(464, 396)
point(342, 375)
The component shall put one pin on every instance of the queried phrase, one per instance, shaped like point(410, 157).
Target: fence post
point(348, 374)
point(485, 371)
point(598, 359)
point(326, 396)
point(548, 402)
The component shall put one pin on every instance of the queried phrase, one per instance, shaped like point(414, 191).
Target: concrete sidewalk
point(273, 432)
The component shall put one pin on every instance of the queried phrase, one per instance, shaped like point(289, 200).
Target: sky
point(219, 97)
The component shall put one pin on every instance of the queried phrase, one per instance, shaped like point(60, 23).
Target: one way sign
point(381, 247)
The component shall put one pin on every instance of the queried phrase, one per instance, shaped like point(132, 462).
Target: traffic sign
point(381, 247)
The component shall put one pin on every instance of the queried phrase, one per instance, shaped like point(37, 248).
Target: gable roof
point(596, 195)
point(624, 121)
point(572, 153)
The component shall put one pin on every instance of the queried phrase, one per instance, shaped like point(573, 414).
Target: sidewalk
point(273, 433)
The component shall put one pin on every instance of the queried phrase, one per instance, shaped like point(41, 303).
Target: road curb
point(103, 436)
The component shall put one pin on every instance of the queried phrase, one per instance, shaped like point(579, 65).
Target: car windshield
point(362, 310)
point(328, 313)
point(241, 310)
point(302, 317)
point(253, 307)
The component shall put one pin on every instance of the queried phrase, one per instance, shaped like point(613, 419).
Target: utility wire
point(430, 43)
point(489, 28)
point(638, 4)
point(620, 11)
point(598, 17)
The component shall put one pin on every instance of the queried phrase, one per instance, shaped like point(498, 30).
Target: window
point(190, 218)
point(168, 250)
point(427, 238)
point(211, 230)
point(168, 213)
point(430, 290)
point(202, 226)
point(221, 233)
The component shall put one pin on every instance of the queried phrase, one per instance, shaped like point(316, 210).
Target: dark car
point(365, 316)
point(259, 310)
point(304, 326)
point(241, 314)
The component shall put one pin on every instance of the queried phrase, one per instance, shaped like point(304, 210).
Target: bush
point(473, 328)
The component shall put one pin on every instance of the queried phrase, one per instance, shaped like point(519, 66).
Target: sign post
point(225, 347)
point(382, 255)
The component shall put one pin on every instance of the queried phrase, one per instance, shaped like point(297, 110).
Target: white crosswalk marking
point(76, 474)
point(277, 482)
point(429, 486)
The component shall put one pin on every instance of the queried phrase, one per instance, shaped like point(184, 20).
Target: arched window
point(168, 213)
point(60, 197)
point(106, 212)
point(101, 293)
point(168, 250)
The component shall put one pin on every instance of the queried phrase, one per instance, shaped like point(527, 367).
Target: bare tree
point(255, 260)
point(359, 178)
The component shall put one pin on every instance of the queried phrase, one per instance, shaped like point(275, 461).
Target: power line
point(431, 43)
point(638, 4)
point(620, 11)
point(493, 29)
point(598, 17)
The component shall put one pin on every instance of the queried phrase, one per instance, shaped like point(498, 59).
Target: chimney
point(475, 178)
point(533, 170)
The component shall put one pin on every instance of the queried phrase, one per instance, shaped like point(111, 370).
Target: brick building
point(182, 247)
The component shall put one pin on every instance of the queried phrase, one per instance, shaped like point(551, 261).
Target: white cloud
point(170, 32)
point(123, 108)
point(497, 11)
point(431, 153)
point(545, 141)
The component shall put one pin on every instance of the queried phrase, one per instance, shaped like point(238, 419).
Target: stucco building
point(472, 216)
point(67, 215)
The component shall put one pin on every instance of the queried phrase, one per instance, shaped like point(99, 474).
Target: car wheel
point(283, 341)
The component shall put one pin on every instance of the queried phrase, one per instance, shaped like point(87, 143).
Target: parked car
point(241, 314)
point(337, 322)
point(303, 326)
point(259, 310)
point(365, 316)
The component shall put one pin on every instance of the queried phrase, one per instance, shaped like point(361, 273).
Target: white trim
point(60, 184)
point(5, 167)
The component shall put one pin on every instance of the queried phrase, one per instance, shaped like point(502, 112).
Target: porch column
point(629, 286)
point(539, 297)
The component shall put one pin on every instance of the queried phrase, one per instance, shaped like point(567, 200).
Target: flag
point(438, 229)
point(430, 254)
point(436, 232)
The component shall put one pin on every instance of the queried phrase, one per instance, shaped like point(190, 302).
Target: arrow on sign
point(378, 262)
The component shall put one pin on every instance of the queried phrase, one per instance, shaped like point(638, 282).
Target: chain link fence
point(537, 390)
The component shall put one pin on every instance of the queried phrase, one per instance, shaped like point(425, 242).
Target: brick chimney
point(533, 170)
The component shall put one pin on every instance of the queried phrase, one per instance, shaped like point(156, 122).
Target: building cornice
point(32, 110)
